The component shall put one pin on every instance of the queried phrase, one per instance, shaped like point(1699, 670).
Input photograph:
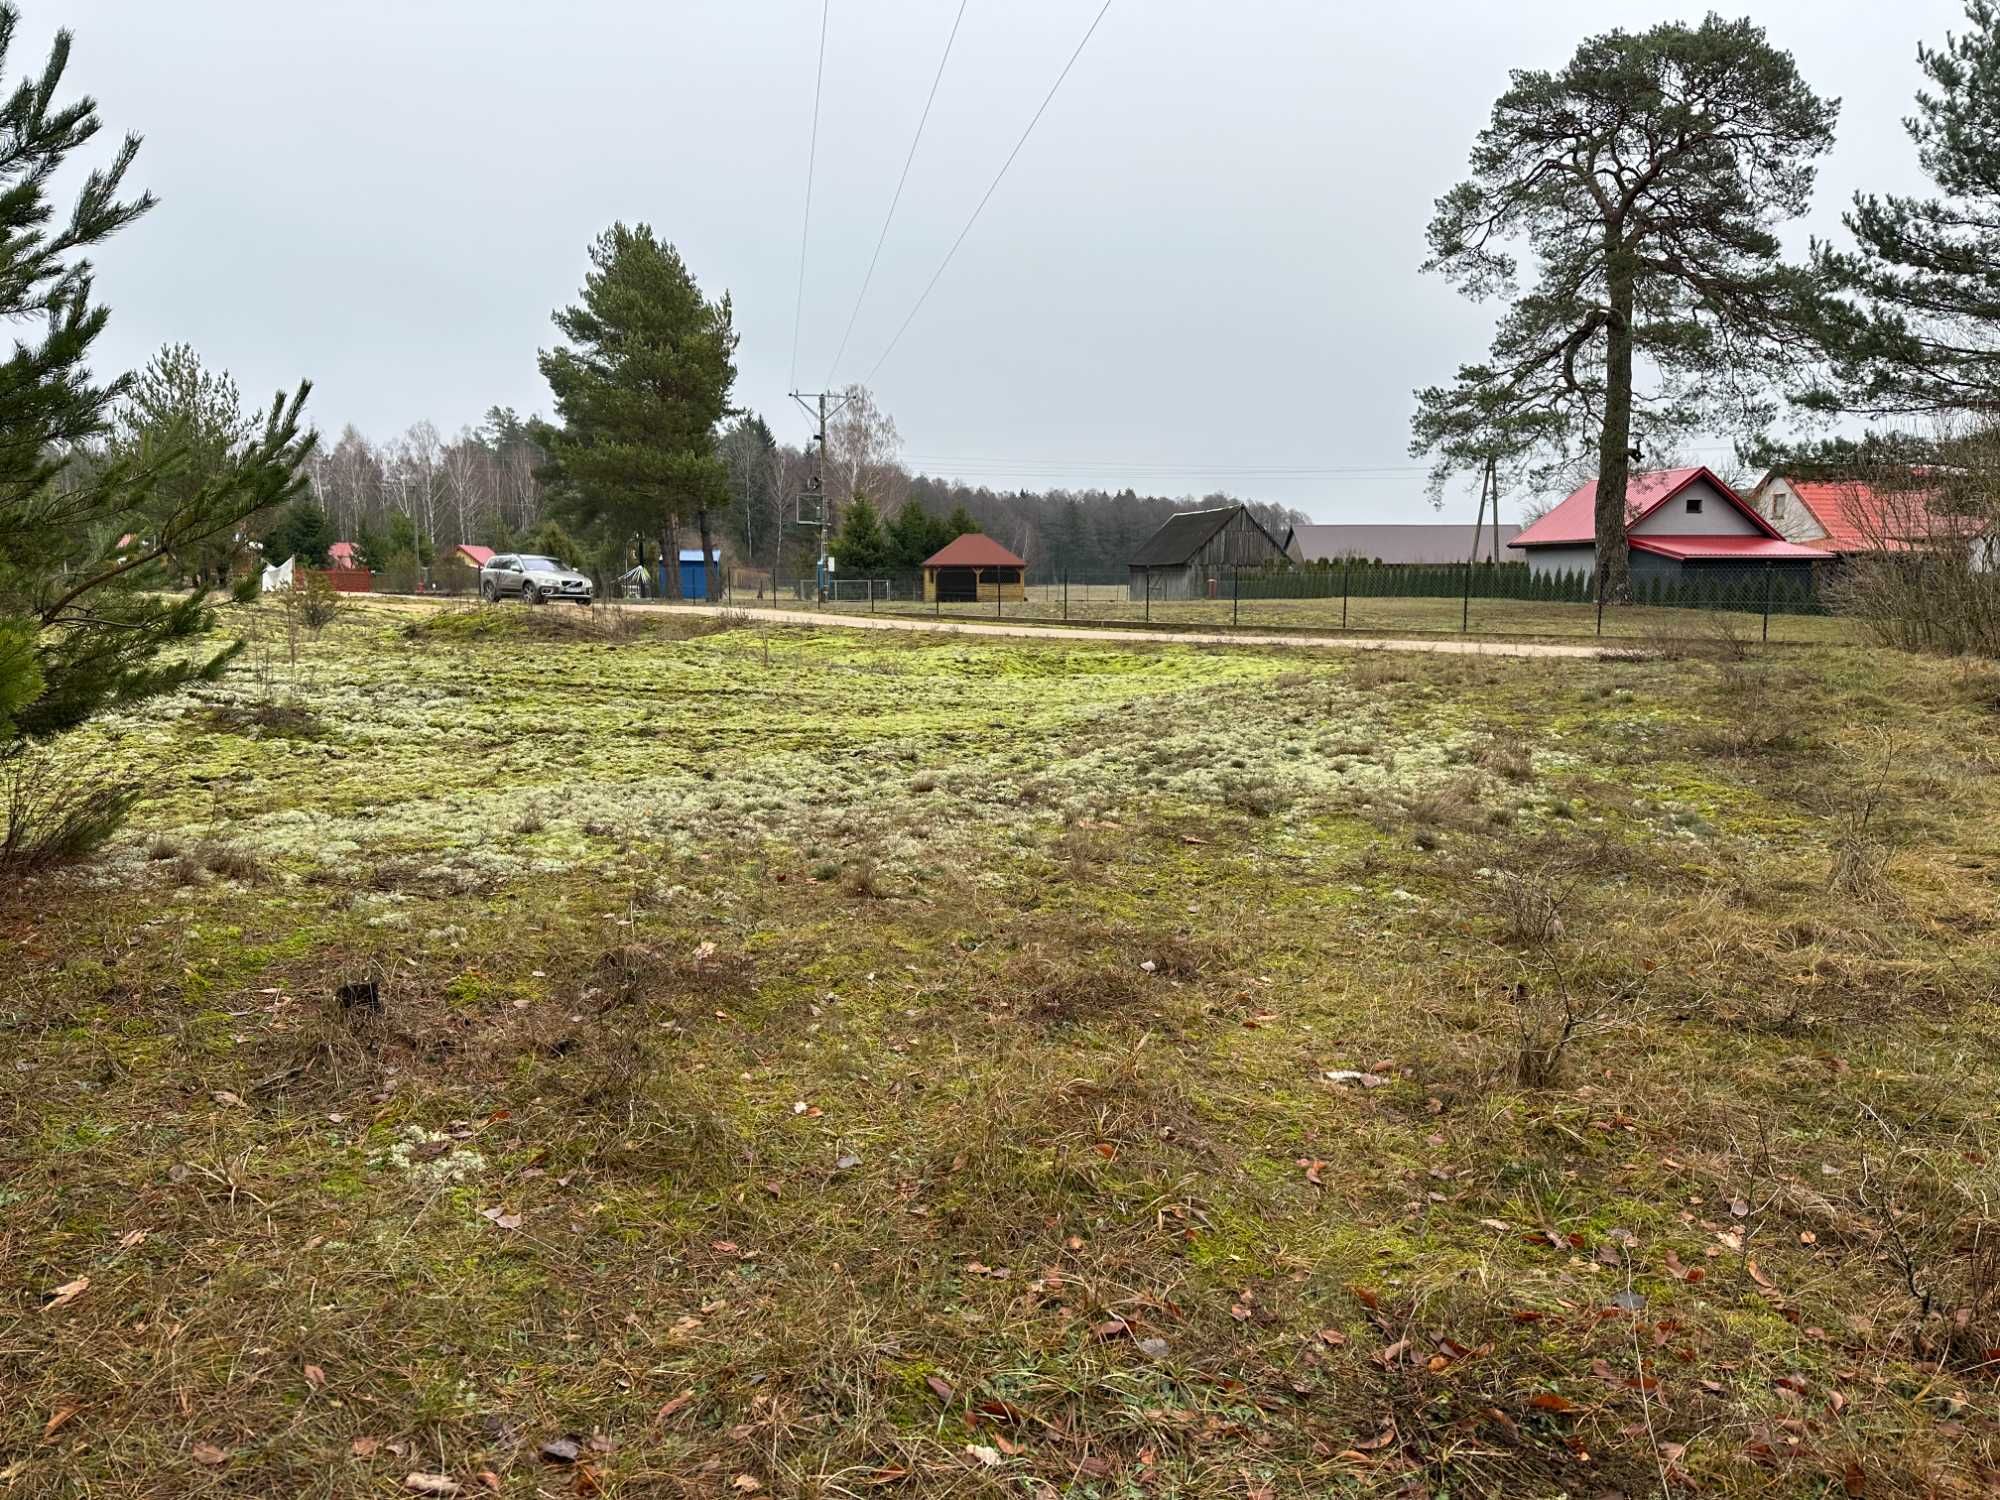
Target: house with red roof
point(973, 568)
point(342, 555)
point(1846, 517)
point(1682, 525)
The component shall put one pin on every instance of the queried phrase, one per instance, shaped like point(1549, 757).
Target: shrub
point(51, 815)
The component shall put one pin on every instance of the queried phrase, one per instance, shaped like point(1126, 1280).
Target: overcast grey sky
point(1200, 273)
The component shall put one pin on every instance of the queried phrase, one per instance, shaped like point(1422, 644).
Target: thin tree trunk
point(670, 557)
point(1614, 452)
point(707, 555)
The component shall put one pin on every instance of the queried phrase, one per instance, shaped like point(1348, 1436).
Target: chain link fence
point(1746, 602)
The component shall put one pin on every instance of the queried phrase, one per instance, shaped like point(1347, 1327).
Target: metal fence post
point(1598, 586)
point(1235, 589)
point(999, 591)
point(1465, 613)
point(1065, 596)
point(1767, 603)
point(1149, 595)
point(1346, 583)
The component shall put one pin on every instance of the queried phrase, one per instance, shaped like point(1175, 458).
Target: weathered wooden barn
point(1194, 553)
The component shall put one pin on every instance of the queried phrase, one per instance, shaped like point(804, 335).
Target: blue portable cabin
point(694, 577)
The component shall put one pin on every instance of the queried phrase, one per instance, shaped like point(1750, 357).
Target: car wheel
point(530, 594)
point(490, 592)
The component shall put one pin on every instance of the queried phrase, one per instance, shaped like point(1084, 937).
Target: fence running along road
point(1751, 602)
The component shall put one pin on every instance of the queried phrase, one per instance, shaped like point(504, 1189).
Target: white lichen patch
point(430, 1156)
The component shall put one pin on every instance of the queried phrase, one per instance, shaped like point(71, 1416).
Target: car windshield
point(543, 565)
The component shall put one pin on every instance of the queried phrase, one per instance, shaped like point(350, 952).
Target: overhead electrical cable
point(925, 294)
point(897, 197)
point(812, 156)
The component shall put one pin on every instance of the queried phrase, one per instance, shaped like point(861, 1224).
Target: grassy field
point(1524, 618)
point(541, 1056)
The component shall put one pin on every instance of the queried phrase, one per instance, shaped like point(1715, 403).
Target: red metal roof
point(1574, 522)
point(1859, 519)
point(973, 550)
point(1752, 548)
point(484, 555)
point(341, 554)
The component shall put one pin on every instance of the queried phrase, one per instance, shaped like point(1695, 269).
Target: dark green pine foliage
point(861, 548)
point(639, 395)
point(86, 546)
point(1917, 329)
point(1644, 180)
point(303, 530)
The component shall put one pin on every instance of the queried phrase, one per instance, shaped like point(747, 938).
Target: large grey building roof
point(1436, 542)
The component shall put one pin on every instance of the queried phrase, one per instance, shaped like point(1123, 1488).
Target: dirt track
point(1300, 640)
point(1183, 637)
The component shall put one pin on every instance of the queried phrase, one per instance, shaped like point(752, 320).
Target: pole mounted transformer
point(814, 510)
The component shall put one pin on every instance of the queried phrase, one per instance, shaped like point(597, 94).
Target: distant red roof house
point(1673, 518)
point(1849, 516)
point(341, 555)
point(478, 557)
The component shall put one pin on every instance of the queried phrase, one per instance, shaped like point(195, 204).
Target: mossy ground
point(900, 1065)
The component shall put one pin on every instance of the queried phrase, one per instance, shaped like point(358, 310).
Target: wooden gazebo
point(973, 569)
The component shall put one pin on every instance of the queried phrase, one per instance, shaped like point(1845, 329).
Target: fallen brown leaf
point(208, 1453)
point(67, 1293)
point(56, 1419)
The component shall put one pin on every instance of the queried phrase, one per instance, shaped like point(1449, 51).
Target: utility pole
point(815, 490)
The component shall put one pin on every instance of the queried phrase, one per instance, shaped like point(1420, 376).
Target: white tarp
point(279, 577)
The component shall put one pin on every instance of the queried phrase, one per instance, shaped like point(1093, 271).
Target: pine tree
point(302, 530)
point(86, 549)
point(1645, 178)
point(1918, 330)
point(175, 406)
point(639, 395)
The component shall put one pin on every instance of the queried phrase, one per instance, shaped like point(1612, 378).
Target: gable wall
point(1777, 502)
point(1718, 516)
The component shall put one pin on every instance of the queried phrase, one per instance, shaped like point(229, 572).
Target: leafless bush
point(1531, 907)
point(1930, 579)
point(1560, 1006)
point(1930, 1220)
point(1867, 826)
point(50, 815)
point(1563, 993)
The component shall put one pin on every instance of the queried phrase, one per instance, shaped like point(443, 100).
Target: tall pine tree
point(1917, 329)
point(86, 548)
point(1645, 178)
point(639, 394)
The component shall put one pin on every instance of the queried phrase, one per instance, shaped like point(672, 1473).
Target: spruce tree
point(1645, 178)
point(639, 394)
point(86, 548)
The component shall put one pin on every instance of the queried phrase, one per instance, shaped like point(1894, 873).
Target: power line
point(897, 197)
point(925, 295)
point(812, 156)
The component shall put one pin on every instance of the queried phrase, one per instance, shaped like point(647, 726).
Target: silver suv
point(535, 579)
